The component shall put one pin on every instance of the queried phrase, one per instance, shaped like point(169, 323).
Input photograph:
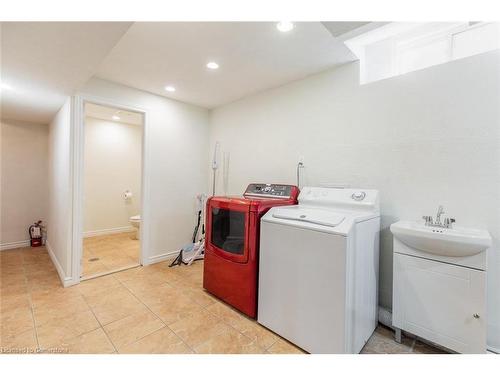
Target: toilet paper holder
point(127, 195)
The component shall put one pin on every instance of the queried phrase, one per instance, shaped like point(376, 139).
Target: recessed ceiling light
point(115, 117)
point(170, 88)
point(212, 65)
point(285, 26)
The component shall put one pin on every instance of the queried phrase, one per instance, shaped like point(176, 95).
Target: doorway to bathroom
point(112, 190)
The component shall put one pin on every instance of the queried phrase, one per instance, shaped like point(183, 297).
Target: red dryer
point(232, 242)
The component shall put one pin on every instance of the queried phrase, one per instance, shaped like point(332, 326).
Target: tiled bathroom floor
point(104, 254)
point(152, 309)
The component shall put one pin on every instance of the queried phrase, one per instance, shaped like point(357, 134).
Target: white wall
point(425, 138)
point(113, 159)
point(24, 184)
point(60, 193)
point(177, 145)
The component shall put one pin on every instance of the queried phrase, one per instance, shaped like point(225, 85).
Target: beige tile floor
point(109, 253)
point(154, 309)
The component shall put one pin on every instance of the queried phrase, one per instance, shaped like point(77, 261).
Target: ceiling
point(44, 62)
point(253, 56)
point(338, 29)
point(107, 113)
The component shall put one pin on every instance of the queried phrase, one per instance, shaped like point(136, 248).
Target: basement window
point(398, 48)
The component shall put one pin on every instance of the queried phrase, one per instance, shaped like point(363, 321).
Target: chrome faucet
point(438, 215)
point(428, 220)
point(448, 222)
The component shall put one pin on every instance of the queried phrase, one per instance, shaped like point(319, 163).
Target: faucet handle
point(428, 219)
point(448, 222)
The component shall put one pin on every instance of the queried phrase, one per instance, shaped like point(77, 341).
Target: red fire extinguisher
point(36, 234)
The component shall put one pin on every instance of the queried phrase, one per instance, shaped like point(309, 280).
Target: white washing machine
point(318, 269)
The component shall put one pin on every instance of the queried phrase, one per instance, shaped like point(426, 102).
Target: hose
point(299, 166)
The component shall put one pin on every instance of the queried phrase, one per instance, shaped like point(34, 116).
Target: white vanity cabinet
point(439, 285)
point(442, 303)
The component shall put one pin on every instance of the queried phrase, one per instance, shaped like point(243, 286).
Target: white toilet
point(136, 223)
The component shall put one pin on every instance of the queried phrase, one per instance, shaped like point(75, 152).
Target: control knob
point(358, 195)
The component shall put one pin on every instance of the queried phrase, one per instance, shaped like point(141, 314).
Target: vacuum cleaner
point(196, 249)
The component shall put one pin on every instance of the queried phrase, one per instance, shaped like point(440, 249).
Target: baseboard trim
point(161, 258)
point(65, 280)
point(102, 232)
point(14, 245)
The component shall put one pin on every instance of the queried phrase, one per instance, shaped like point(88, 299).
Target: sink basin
point(456, 242)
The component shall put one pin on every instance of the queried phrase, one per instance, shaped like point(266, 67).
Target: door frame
point(78, 157)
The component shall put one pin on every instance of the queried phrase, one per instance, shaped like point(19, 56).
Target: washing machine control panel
point(343, 198)
point(268, 191)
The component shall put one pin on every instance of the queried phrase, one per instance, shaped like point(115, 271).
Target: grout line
point(98, 321)
point(251, 321)
point(219, 319)
point(31, 307)
point(161, 320)
point(105, 239)
point(183, 278)
point(100, 325)
point(229, 324)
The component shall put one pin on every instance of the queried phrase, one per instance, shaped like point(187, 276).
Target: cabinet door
point(442, 303)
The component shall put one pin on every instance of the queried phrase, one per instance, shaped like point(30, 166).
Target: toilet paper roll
point(127, 195)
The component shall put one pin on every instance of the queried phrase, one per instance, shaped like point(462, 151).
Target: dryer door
point(227, 231)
